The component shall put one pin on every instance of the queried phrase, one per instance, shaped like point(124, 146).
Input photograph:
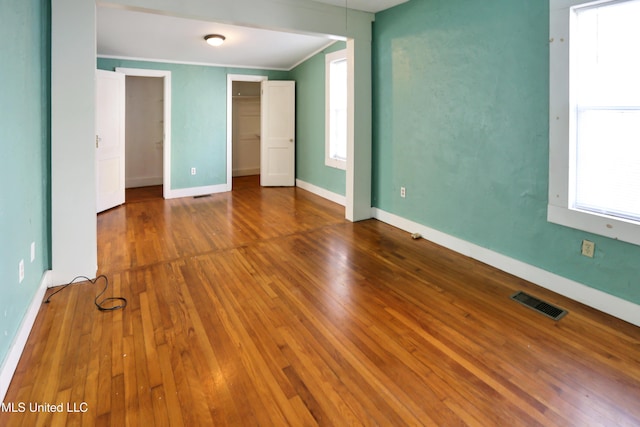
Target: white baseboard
point(334, 197)
point(143, 181)
point(599, 300)
point(10, 362)
point(246, 172)
point(196, 191)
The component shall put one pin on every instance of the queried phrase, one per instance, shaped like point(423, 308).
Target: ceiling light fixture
point(215, 39)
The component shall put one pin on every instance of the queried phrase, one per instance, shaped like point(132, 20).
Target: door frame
point(230, 79)
point(166, 143)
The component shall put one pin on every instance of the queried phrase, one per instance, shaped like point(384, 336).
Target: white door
point(278, 148)
point(110, 120)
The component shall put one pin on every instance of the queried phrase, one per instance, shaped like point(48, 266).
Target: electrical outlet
point(21, 271)
point(403, 192)
point(193, 171)
point(33, 251)
point(588, 248)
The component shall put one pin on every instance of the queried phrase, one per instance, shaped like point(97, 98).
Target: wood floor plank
point(215, 387)
point(353, 355)
point(253, 363)
point(263, 306)
point(174, 409)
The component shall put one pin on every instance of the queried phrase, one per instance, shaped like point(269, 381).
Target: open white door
point(110, 120)
point(278, 148)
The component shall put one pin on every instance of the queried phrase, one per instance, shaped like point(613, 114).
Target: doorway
point(144, 130)
point(243, 139)
point(245, 129)
point(148, 129)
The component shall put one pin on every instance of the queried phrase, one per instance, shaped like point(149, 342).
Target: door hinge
point(98, 141)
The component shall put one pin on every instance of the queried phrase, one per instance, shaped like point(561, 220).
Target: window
point(594, 167)
point(336, 109)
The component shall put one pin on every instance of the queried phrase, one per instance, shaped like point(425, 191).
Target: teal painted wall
point(310, 124)
point(461, 120)
point(198, 118)
point(24, 157)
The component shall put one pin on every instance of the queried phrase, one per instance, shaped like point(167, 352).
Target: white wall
point(73, 188)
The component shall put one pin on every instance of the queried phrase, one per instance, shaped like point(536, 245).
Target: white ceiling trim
point(210, 64)
point(312, 54)
point(372, 6)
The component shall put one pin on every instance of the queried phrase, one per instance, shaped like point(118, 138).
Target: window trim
point(328, 159)
point(561, 129)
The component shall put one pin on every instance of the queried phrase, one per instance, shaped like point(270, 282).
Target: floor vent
point(538, 305)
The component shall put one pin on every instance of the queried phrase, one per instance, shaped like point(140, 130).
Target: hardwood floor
point(263, 306)
point(141, 194)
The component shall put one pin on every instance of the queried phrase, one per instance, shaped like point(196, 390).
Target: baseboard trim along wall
point(10, 363)
point(196, 191)
point(245, 172)
point(143, 181)
point(599, 300)
point(319, 191)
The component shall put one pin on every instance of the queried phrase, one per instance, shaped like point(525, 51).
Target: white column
point(73, 192)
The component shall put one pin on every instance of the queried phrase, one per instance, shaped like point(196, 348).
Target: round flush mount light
point(214, 39)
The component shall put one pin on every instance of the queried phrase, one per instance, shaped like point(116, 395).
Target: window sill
point(614, 228)
point(335, 163)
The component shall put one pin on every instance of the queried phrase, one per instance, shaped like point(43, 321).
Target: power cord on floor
point(99, 304)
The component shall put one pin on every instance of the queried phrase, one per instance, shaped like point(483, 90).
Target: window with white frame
point(336, 109)
point(594, 173)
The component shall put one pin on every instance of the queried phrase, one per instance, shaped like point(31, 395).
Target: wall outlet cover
point(588, 248)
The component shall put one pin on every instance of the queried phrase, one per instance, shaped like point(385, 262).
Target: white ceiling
point(131, 34)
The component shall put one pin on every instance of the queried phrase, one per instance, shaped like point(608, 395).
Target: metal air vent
point(538, 305)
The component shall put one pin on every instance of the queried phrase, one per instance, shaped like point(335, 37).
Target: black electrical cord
point(99, 304)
